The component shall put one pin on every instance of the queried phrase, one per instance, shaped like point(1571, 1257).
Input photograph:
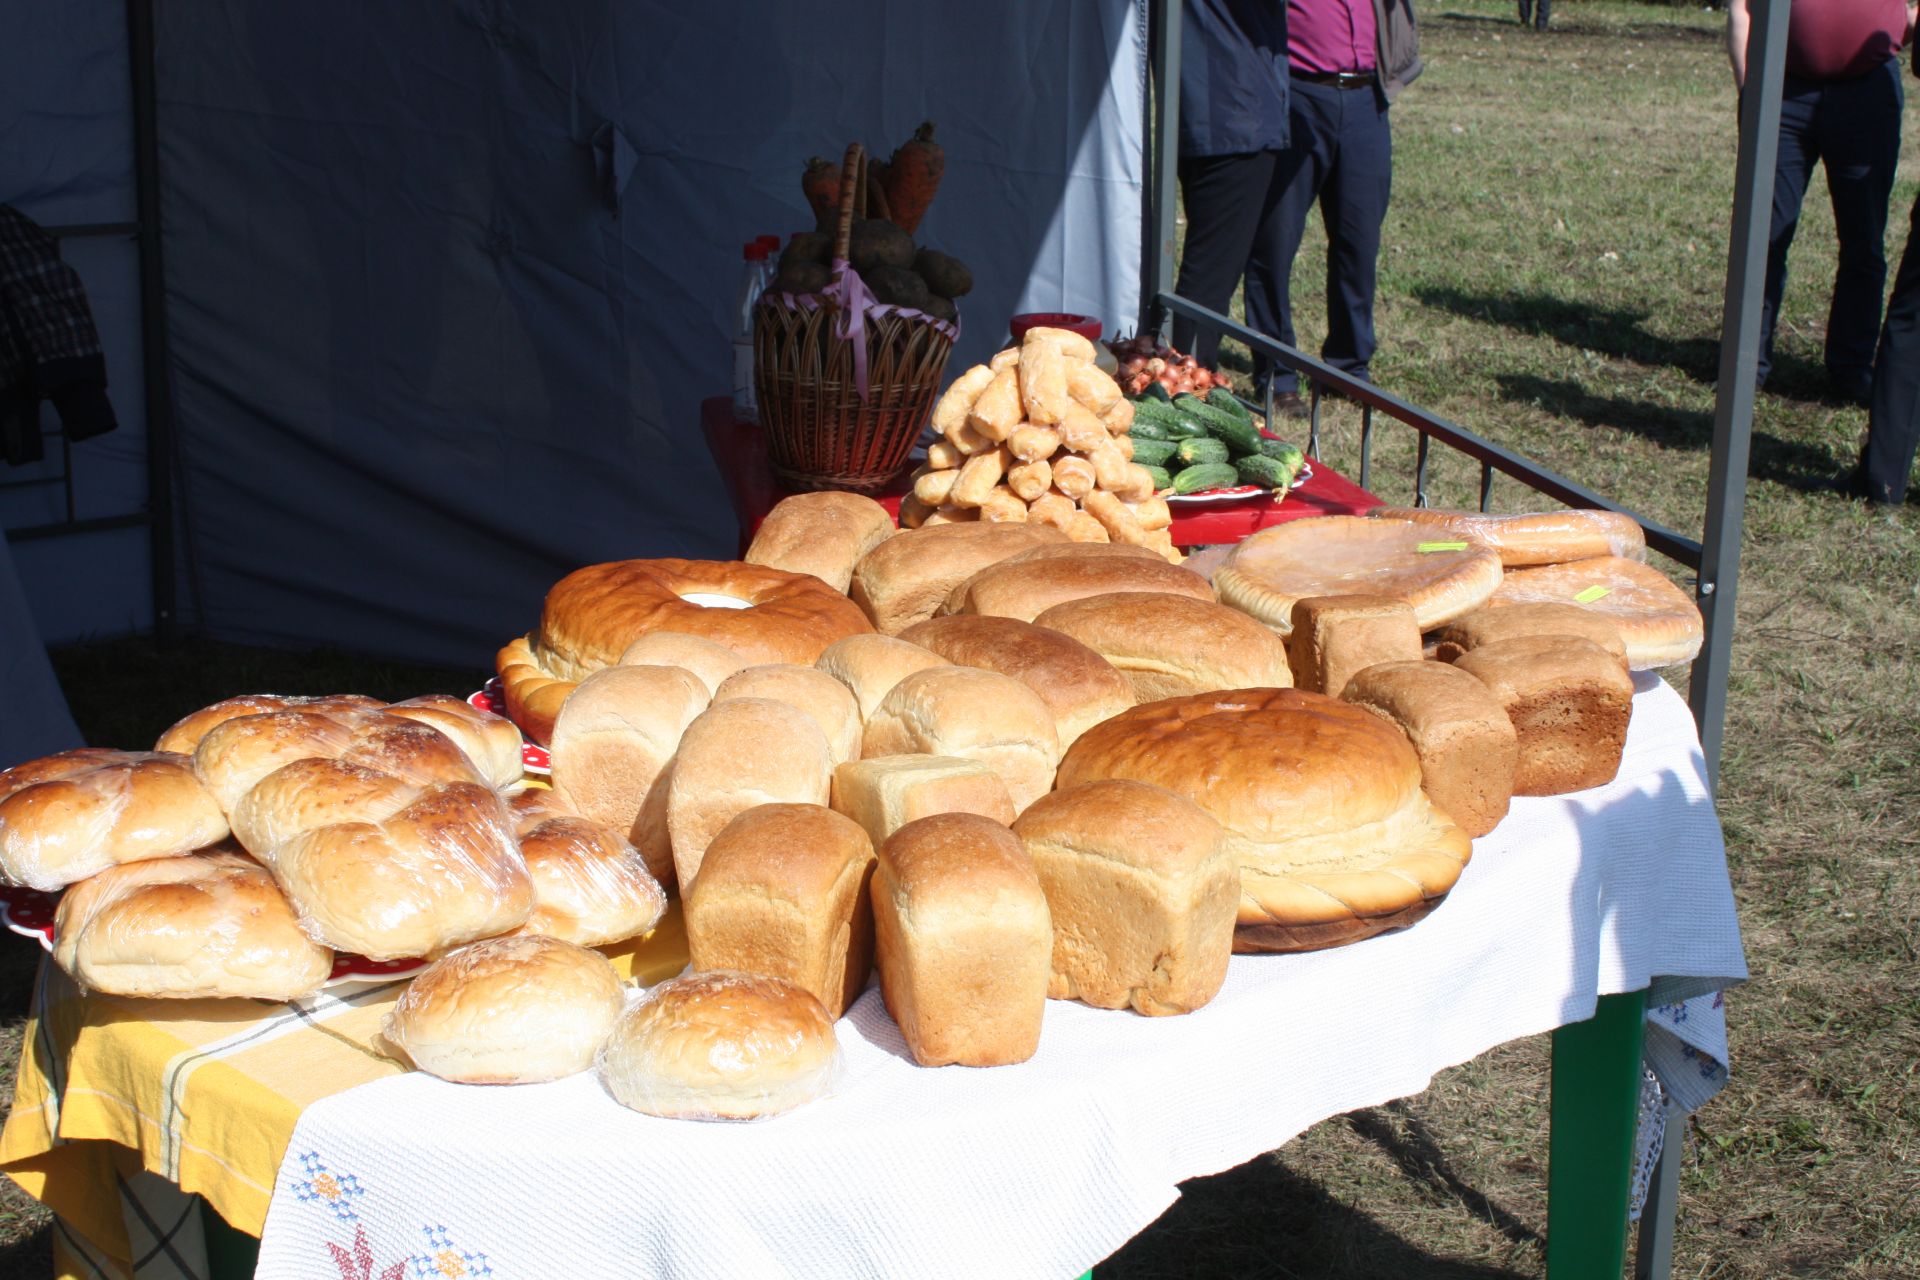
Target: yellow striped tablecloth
point(203, 1093)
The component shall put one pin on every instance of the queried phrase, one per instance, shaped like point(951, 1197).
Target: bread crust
point(1080, 687)
point(1569, 703)
point(1658, 622)
point(69, 816)
point(1466, 744)
point(977, 715)
point(905, 579)
point(1169, 646)
point(1025, 588)
point(823, 534)
point(1542, 537)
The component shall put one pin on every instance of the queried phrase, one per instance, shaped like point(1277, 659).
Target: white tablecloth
point(1040, 1169)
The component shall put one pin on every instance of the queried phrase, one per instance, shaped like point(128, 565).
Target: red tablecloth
point(740, 451)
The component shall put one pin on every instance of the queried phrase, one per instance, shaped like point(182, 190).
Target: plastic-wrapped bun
point(590, 886)
point(69, 816)
point(721, 1045)
point(507, 1011)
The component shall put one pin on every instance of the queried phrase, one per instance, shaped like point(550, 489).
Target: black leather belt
point(1337, 79)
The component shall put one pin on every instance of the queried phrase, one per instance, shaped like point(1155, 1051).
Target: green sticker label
point(1442, 546)
point(1592, 593)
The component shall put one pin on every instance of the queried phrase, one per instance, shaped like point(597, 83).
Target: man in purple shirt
point(1347, 60)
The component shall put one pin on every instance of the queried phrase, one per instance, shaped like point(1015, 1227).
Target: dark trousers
point(1341, 158)
point(1225, 198)
point(1853, 127)
point(1893, 427)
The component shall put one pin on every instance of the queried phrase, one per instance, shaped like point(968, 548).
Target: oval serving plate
point(1239, 492)
point(533, 757)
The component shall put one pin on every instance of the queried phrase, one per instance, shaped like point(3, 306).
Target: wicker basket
point(823, 431)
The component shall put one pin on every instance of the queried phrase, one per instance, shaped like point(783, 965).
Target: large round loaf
point(590, 885)
point(1168, 646)
point(1321, 803)
point(975, 715)
point(187, 928)
point(720, 1045)
point(1025, 588)
point(1659, 623)
point(1544, 537)
point(823, 534)
point(1353, 555)
point(906, 578)
point(1080, 687)
point(69, 816)
point(507, 1011)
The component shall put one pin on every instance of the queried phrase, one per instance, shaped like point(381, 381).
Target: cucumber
point(1145, 428)
point(1204, 449)
point(1208, 475)
point(1238, 433)
point(1150, 451)
point(1176, 424)
point(1269, 473)
point(1158, 391)
point(1227, 402)
point(1161, 480)
point(1280, 449)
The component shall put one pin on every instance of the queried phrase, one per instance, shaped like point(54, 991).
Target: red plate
point(30, 913)
point(533, 756)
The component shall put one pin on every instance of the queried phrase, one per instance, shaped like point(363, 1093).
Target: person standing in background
point(1536, 13)
point(1839, 106)
point(1233, 128)
point(1893, 421)
point(1347, 61)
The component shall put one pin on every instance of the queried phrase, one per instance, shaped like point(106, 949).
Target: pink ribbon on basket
point(850, 293)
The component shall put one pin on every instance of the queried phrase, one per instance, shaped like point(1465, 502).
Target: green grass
point(1556, 254)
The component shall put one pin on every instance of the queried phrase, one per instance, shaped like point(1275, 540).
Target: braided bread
point(69, 816)
point(590, 886)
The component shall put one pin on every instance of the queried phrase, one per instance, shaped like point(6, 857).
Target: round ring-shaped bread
point(593, 615)
point(1321, 803)
point(1353, 555)
point(1658, 622)
point(720, 1045)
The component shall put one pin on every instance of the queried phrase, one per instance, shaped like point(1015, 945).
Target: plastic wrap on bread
point(721, 1045)
point(590, 885)
point(69, 816)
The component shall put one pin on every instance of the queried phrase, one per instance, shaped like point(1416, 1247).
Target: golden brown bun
point(1546, 537)
point(69, 816)
point(1080, 687)
point(1168, 646)
point(593, 616)
point(1353, 555)
point(783, 893)
point(736, 755)
point(507, 1011)
point(973, 714)
point(721, 1046)
point(188, 928)
point(904, 579)
point(887, 792)
point(1321, 803)
point(1659, 623)
point(871, 665)
point(590, 885)
point(614, 738)
point(186, 733)
point(710, 661)
point(1143, 894)
point(1569, 702)
point(1483, 626)
point(491, 742)
point(963, 939)
point(1026, 588)
point(1461, 733)
point(440, 869)
point(823, 534)
point(826, 701)
point(1335, 636)
point(238, 754)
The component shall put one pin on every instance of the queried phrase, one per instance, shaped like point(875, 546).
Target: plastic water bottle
point(752, 282)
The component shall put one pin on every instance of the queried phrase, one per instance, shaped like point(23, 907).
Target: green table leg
point(1596, 1094)
point(232, 1254)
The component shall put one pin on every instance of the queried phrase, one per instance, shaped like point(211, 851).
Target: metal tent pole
point(1739, 356)
point(1163, 155)
point(153, 318)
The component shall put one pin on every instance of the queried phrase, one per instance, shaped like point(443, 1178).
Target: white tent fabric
point(446, 284)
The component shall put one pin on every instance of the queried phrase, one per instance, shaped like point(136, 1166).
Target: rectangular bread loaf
point(1466, 743)
point(887, 792)
point(1569, 702)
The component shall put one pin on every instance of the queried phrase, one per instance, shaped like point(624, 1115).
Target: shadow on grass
point(1419, 1156)
point(1787, 462)
point(29, 1258)
point(1562, 25)
point(1265, 1219)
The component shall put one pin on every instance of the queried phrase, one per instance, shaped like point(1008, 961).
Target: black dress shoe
point(1851, 388)
point(1288, 404)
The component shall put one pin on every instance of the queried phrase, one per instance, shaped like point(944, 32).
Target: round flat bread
point(1658, 622)
point(1442, 577)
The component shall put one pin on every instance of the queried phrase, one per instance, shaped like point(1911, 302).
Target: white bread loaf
point(69, 816)
point(783, 893)
point(871, 665)
point(187, 928)
point(963, 940)
point(885, 793)
point(507, 1011)
point(738, 754)
point(708, 660)
point(906, 578)
point(1080, 687)
point(721, 1046)
point(976, 715)
point(823, 534)
point(614, 736)
point(829, 703)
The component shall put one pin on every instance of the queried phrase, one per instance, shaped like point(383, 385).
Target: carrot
point(913, 176)
point(821, 185)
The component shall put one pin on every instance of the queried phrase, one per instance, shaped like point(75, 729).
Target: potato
point(1043, 381)
point(801, 277)
point(977, 479)
point(897, 287)
point(1073, 476)
point(944, 274)
point(875, 242)
point(1030, 479)
point(942, 309)
point(934, 487)
point(953, 406)
point(1003, 506)
point(808, 246)
point(997, 412)
point(1033, 444)
point(1091, 386)
point(1080, 431)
